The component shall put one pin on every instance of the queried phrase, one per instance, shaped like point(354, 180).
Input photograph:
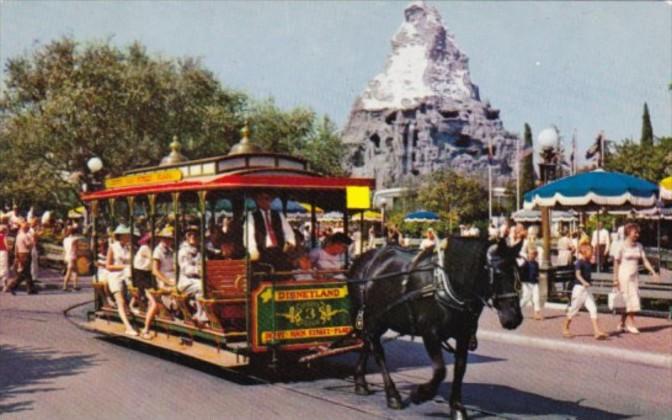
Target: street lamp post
point(548, 140)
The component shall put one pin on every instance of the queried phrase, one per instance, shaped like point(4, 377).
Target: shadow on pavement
point(27, 372)
point(506, 401)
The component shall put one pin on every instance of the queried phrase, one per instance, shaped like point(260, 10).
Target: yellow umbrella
point(76, 213)
point(369, 216)
point(307, 207)
point(666, 188)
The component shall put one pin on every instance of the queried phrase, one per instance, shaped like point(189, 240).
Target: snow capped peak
point(424, 62)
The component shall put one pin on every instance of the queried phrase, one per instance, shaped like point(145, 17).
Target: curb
point(640, 357)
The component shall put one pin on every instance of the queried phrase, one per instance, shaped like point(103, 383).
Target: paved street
point(51, 369)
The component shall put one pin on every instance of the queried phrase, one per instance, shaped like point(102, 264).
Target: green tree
point(647, 129)
point(68, 101)
point(325, 149)
point(649, 162)
point(527, 181)
point(456, 198)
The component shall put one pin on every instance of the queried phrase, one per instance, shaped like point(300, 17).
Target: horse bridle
point(493, 266)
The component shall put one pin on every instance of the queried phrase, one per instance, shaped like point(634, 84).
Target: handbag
point(615, 300)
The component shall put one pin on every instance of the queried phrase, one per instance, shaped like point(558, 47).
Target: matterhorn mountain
point(423, 113)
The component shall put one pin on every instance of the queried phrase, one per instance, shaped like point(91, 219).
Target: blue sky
point(579, 65)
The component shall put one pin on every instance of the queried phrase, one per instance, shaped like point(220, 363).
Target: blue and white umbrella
point(594, 189)
point(422, 216)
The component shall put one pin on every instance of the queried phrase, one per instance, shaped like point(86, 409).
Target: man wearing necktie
point(269, 235)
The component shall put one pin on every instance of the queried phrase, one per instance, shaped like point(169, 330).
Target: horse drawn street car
point(251, 296)
point(250, 306)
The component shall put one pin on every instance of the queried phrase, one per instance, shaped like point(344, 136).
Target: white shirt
point(69, 251)
point(121, 255)
point(426, 243)
point(603, 238)
point(252, 246)
point(143, 258)
point(323, 260)
point(164, 256)
point(189, 261)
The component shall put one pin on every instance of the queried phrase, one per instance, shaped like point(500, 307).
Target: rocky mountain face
point(423, 113)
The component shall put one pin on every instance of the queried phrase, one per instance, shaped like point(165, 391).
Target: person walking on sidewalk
point(581, 293)
point(4, 258)
point(626, 276)
point(70, 258)
point(530, 284)
point(22, 258)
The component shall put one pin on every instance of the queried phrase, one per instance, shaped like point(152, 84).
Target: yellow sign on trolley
point(158, 177)
point(358, 198)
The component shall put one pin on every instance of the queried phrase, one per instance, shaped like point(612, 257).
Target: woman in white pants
point(581, 293)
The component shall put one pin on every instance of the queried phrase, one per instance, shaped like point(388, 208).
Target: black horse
point(394, 289)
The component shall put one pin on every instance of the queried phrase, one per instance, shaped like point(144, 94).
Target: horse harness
point(441, 289)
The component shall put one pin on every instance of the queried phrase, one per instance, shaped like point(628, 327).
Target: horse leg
point(361, 388)
point(427, 391)
point(457, 410)
point(391, 393)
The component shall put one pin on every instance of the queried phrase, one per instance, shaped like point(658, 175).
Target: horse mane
point(465, 260)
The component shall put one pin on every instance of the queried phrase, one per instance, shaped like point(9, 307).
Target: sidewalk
point(653, 346)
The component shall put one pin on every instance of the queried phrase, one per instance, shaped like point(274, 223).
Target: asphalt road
point(51, 369)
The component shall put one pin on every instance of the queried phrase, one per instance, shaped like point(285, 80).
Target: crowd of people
point(21, 235)
point(585, 254)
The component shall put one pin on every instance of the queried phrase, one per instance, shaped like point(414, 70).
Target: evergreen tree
point(527, 181)
point(647, 129)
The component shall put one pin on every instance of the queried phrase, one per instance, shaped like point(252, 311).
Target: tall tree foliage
point(456, 198)
point(647, 129)
point(652, 162)
point(527, 181)
point(67, 102)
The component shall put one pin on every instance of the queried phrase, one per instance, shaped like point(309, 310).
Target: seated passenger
point(269, 235)
point(301, 262)
point(142, 270)
point(225, 242)
point(332, 255)
point(118, 268)
point(189, 261)
point(163, 269)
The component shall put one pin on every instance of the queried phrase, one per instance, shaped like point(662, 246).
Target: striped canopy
point(532, 216)
point(594, 189)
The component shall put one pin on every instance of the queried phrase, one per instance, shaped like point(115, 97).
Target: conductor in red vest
point(269, 235)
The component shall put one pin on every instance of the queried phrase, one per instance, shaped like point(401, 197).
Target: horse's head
point(504, 283)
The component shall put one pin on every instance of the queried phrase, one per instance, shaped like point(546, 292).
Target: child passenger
point(530, 283)
point(581, 293)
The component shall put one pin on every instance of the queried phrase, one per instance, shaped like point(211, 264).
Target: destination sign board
point(295, 313)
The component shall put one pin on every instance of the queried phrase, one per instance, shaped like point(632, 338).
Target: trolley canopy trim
point(272, 179)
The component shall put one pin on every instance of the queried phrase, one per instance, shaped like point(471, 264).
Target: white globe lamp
point(548, 139)
point(95, 164)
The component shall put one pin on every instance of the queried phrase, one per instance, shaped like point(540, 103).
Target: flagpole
point(518, 159)
point(490, 157)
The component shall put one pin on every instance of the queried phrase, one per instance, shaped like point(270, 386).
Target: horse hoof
point(362, 390)
point(458, 413)
point(420, 395)
point(395, 403)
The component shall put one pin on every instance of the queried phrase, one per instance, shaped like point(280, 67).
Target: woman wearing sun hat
point(118, 267)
